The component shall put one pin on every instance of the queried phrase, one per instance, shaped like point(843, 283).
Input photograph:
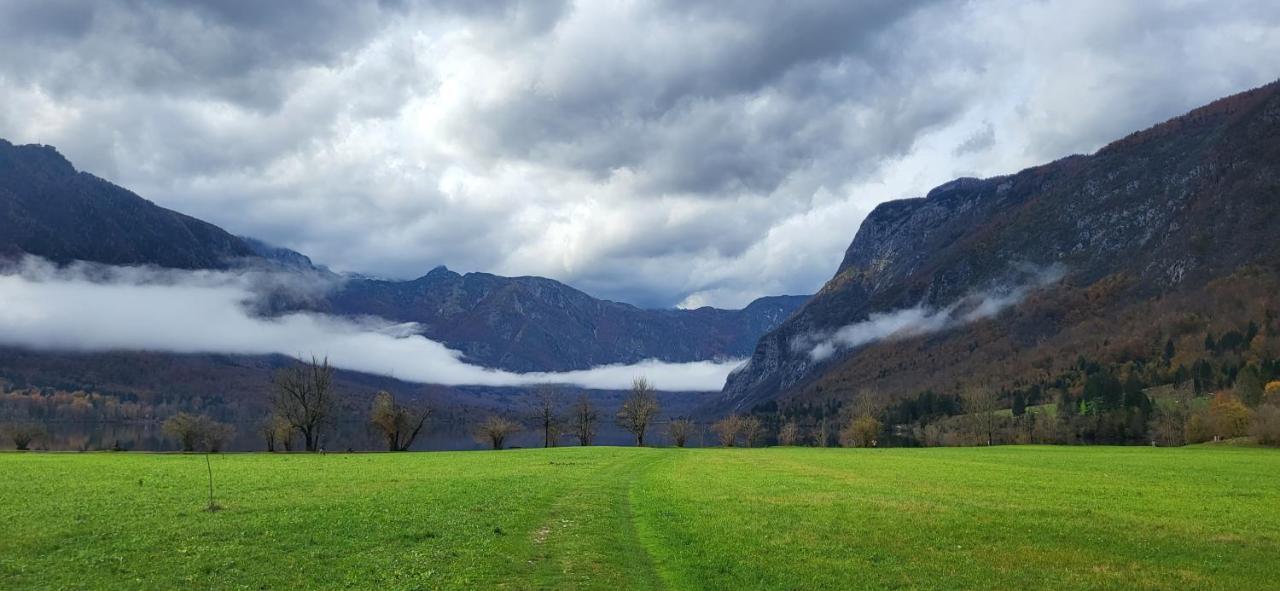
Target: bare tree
point(399, 424)
point(547, 399)
point(982, 404)
point(304, 397)
point(276, 432)
point(198, 432)
point(789, 434)
point(495, 431)
point(585, 420)
point(639, 409)
point(23, 434)
point(822, 434)
point(680, 429)
point(728, 429)
point(862, 425)
point(752, 430)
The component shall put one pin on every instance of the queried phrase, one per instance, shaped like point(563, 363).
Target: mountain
point(536, 324)
point(49, 209)
point(1162, 239)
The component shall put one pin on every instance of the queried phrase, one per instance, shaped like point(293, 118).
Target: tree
point(728, 429)
point(860, 432)
point(1019, 404)
point(639, 409)
point(1228, 416)
point(862, 427)
point(217, 435)
point(1249, 386)
point(198, 432)
point(547, 399)
point(23, 434)
point(304, 397)
point(1168, 424)
point(186, 428)
point(1271, 394)
point(276, 432)
point(822, 435)
point(1169, 351)
point(982, 404)
point(752, 431)
point(399, 424)
point(1266, 425)
point(680, 429)
point(585, 419)
point(789, 434)
point(495, 430)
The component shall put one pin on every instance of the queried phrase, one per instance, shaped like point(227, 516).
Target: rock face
point(49, 209)
point(1169, 208)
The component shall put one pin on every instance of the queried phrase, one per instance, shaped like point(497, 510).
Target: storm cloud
point(660, 153)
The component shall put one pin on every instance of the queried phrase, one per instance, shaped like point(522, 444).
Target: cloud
point(95, 308)
point(922, 319)
point(652, 152)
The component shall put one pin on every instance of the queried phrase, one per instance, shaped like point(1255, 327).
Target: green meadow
point(621, 518)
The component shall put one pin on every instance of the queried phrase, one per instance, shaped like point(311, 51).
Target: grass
point(619, 518)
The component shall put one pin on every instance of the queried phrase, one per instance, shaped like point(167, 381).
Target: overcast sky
point(661, 153)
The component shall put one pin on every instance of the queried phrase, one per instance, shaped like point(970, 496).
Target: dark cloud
point(654, 152)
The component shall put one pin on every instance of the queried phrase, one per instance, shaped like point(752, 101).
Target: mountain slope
point(1162, 212)
point(49, 209)
point(536, 324)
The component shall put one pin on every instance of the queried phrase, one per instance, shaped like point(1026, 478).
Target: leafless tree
point(547, 414)
point(23, 434)
point(862, 424)
point(585, 420)
point(276, 432)
point(639, 409)
point(822, 434)
point(681, 429)
point(982, 403)
point(198, 432)
point(495, 431)
point(752, 431)
point(304, 397)
point(399, 424)
point(789, 434)
point(728, 429)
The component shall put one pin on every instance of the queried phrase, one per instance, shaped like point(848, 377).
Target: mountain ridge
point(51, 210)
point(1171, 208)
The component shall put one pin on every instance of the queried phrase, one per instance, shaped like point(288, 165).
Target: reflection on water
point(148, 436)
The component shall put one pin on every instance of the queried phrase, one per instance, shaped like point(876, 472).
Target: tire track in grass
point(588, 539)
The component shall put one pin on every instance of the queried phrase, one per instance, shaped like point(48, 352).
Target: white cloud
point(922, 319)
point(104, 308)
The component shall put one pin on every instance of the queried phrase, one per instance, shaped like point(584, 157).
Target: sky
point(666, 153)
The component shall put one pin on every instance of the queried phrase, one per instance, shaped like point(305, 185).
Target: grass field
point(618, 518)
